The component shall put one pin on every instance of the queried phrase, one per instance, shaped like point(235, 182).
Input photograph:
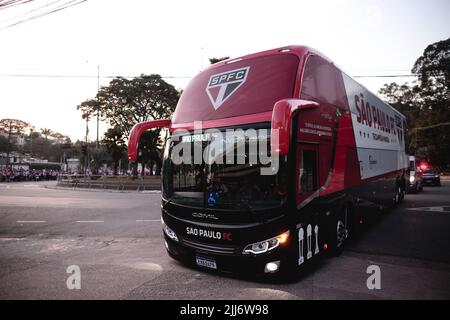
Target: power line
point(11, 3)
point(431, 127)
point(379, 70)
point(63, 6)
point(31, 11)
point(81, 76)
point(58, 8)
point(387, 76)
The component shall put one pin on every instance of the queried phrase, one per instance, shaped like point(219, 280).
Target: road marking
point(31, 185)
point(152, 191)
point(28, 221)
point(433, 209)
point(90, 221)
point(157, 220)
point(4, 186)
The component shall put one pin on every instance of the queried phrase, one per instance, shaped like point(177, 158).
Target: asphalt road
point(116, 240)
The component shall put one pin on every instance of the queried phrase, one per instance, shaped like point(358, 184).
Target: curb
point(104, 190)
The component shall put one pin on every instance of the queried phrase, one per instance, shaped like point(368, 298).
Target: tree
point(114, 143)
point(215, 60)
point(58, 136)
point(126, 102)
point(10, 127)
point(148, 153)
point(406, 99)
point(88, 109)
point(5, 145)
point(426, 103)
point(46, 132)
point(97, 157)
point(433, 71)
point(14, 126)
point(30, 139)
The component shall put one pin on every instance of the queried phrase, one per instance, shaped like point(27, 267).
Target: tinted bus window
point(308, 171)
point(269, 79)
point(322, 82)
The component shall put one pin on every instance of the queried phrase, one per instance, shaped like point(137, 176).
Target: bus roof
point(244, 89)
point(243, 86)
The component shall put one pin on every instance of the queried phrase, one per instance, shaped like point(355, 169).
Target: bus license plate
point(207, 263)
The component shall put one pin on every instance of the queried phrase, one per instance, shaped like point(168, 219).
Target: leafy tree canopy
point(215, 60)
point(426, 103)
point(124, 102)
point(14, 126)
point(433, 71)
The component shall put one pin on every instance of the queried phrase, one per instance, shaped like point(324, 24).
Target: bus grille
point(209, 247)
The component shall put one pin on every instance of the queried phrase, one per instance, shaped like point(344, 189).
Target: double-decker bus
point(273, 159)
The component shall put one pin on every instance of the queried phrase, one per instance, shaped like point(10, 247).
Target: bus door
point(308, 154)
point(307, 170)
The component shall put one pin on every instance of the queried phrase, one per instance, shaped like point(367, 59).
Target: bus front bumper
point(268, 263)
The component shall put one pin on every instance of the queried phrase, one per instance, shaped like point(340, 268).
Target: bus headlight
point(412, 179)
point(266, 245)
point(170, 233)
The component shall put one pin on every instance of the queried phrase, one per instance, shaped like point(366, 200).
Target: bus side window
point(307, 171)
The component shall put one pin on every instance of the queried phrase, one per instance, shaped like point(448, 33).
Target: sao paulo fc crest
point(221, 86)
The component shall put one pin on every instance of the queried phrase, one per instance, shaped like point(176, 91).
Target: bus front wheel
point(340, 231)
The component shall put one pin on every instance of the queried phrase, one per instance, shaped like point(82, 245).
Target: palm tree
point(114, 142)
point(46, 132)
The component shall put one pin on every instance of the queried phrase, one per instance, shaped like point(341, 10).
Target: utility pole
point(87, 128)
point(98, 107)
point(85, 156)
point(8, 149)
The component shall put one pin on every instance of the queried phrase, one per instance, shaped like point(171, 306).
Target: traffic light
point(84, 150)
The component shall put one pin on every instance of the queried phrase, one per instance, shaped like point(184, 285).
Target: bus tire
point(397, 194)
point(340, 231)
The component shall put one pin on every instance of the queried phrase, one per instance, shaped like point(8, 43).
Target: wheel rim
point(397, 196)
point(340, 233)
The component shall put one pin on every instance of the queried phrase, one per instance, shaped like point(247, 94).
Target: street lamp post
point(85, 156)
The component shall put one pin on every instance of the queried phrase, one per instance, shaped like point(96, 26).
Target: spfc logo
point(221, 86)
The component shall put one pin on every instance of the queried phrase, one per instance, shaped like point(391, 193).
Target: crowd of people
point(11, 174)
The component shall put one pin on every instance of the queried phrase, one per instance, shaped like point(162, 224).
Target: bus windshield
point(230, 178)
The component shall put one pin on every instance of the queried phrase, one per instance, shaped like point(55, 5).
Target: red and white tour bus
point(335, 150)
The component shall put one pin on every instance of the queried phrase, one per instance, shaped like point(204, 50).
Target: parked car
point(415, 176)
point(430, 176)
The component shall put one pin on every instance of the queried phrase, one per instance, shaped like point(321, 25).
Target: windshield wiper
point(167, 203)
